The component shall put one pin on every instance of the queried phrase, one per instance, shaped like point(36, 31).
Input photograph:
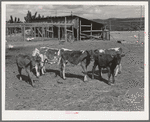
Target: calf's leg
point(113, 78)
point(100, 76)
point(30, 77)
point(93, 70)
point(43, 68)
point(117, 70)
point(64, 66)
point(37, 70)
point(84, 67)
point(20, 76)
point(109, 74)
point(120, 68)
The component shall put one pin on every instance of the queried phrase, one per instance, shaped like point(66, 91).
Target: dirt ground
point(54, 93)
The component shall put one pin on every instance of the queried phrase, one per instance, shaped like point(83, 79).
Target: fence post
point(72, 32)
point(80, 29)
point(42, 33)
point(34, 32)
point(91, 30)
point(58, 32)
point(65, 31)
point(23, 34)
point(52, 32)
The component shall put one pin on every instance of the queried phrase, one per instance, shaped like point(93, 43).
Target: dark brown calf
point(28, 63)
point(106, 61)
point(75, 57)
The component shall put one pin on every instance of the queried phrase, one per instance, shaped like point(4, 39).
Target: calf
point(114, 51)
point(28, 63)
point(75, 57)
point(48, 55)
point(108, 61)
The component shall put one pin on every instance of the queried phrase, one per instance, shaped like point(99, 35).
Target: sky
point(86, 11)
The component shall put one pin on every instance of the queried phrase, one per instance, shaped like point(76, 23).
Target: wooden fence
point(44, 30)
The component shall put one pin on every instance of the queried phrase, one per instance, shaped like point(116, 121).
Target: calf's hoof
point(64, 78)
point(20, 79)
point(119, 72)
point(112, 84)
point(86, 80)
point(109, 83)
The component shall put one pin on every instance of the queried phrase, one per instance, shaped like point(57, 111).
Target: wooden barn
point(66, 28)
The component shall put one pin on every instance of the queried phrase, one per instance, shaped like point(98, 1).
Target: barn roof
point(71, 16)
point(90, 20)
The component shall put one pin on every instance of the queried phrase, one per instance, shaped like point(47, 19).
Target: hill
point(123, 24)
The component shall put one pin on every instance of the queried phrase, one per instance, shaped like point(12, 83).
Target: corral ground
point(54, 93)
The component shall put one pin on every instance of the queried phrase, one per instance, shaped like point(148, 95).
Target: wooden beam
point(97, 37)
point(85, 25)
point(48, 33)
point(39, 32)
point(65, 30)
point(83, 37)
point(80, 29)
point(52, 33)
point(77, 29)
point(69, 30)
point(24, 35)
point(36, 24)
point(72, 32)
point(92, 31)
point(42, 33)
point(34, 31)
point(58, 33)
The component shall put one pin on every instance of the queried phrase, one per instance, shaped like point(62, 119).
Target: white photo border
point(82, 115)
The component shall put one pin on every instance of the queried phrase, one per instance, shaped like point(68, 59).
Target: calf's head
point(89, 54)
point(35, 52)
point(35, 64)
point(53, 55)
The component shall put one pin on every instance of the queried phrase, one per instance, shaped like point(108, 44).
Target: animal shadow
point(24, 78)
point(68, 75)
point(96, 75)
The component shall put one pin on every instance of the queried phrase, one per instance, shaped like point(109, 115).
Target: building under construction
point(65, 28)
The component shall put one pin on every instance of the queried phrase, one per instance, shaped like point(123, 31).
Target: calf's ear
point(122, 55)
point(96, 52)
point(112, 56)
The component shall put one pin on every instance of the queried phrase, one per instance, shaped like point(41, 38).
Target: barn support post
point(34, 31)
point(72, 32)
point(110, 25)
point(31, 31)
point(45, 31)
point(52, 32)
point(80, 30)
point(77, 29)
point(42, 33)
point(58, 32)
point(38, 31)
point(91, 30)
point(109, 35)
point(48, 32)
point(65, 31)
point(23, 34)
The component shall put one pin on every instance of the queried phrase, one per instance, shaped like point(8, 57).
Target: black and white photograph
point(83, 60)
